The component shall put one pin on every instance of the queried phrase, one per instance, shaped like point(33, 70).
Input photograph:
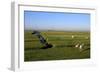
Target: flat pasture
point(64, 46)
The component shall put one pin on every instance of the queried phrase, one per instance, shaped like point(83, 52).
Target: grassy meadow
point(64, 43)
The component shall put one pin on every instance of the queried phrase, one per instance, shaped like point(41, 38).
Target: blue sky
point(56, 21)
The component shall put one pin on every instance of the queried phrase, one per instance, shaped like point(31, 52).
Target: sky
point(56, 21)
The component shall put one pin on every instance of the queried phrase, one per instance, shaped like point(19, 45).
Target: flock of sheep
point(79, 45)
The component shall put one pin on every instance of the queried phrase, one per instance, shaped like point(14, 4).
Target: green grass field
point(63, 46)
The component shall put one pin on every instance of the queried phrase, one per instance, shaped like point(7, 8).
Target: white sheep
point(81, 47)
point(72, 36)
point(77, 45)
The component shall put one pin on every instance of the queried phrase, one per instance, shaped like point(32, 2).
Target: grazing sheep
point(77, 45)
point(72, 36)
point(81, 47)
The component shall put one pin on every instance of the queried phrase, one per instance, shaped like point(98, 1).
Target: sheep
point(81, 47)
point(72, 36)
point(77, 45)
